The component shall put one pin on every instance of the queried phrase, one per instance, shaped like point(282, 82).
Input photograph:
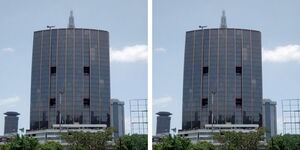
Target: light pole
point(212, 114)
point(191, 98)
point(60, 93)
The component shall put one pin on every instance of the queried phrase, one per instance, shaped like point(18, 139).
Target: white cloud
point(282, 54)
point(129, 54)
point(162, 100)
point(9, 100)
point(160, 49)
point(7, 49)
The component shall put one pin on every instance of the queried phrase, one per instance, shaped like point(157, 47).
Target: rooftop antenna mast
point(71, 20)
point(223, 20)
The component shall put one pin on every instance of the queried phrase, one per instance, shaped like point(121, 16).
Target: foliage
point(22, 143)
point(88, 140)
point(132, 142)
point(240, 140)
point(203, 146)
point(288, 142)
point(3, 147)
point(173, 143)
point(50, 146)
point(28, 143)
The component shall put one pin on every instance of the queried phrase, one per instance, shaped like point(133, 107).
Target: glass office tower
point(70, 80)
point(222, 77)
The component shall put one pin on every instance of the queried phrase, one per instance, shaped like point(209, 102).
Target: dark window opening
point(238, 70)
point(52, 102)
point(86, 70)
point(204, 102)
point(86, 102)
point(53, 70)
point(238, 102)
point(205, 70)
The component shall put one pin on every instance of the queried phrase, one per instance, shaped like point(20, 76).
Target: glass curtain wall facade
point(71, 76)
point(222, 77)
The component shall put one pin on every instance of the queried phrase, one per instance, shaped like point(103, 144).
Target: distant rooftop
point(164, 113)
point(11, 113)
point(114, 100)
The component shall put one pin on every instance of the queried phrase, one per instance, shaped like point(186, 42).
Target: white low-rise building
point(54, 133)
point(198, 135)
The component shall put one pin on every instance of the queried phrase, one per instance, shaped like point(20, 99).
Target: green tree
point(132, 142)
point(87, 140)
point(203, 146)
point(240, 140)
point(50, 146)
point(173, 143)
point(284, 142)
point(3, 147)
point(22, 143)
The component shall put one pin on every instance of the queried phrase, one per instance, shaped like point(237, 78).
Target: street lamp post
point(60, 93)
point(191, 98)
point(212, 114)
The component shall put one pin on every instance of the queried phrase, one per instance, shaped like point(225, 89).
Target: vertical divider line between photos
point(150, 69)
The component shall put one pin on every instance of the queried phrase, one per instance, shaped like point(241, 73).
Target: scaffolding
point(291, 116)
point(138, 116)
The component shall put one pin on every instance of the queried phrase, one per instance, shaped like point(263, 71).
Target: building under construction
point(138, 116)
point(291, 116)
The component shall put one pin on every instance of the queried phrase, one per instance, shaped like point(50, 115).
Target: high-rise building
point(269, 118)
point(163, 122)
point(70, 80)
point(11, 122)
point(222, 77)
point(117, 117)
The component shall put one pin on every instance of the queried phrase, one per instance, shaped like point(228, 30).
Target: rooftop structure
point(71, 20)
point(11, 123)
point(163, 122)
point(223, 20)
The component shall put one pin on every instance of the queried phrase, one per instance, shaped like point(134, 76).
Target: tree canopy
point(240, 140)
point(22, 143)
point(88, 140)
point(173, 143)
point(288, 142)
point(131, 142)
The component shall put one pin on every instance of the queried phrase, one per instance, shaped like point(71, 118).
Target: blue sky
point(277, 20)
point(125, 20)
